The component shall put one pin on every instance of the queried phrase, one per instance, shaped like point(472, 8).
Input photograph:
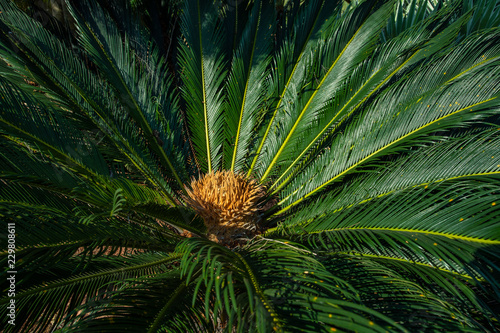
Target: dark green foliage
point(373, 127)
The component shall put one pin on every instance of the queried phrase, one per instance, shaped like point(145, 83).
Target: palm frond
point(418, 297)
point(342, 53)
point(405, 15)
point(443, 162)
point(486, 15)
point(246, 84)
point(42, 126)
point(202, 66)
point(265, 275)
point(301, 36)
point(443, 106)
point(417, 234)
point(136, 89)
point(71, 84)
point(389, 60)
point(60, 295)
point(161, 303)
point(94, 194)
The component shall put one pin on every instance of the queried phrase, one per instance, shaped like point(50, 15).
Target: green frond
point(389, 60)
point(406, 14)
point(53, 181)
point(451, 226)
point(340, 55)
point(246, 85)
point(418, 297)
point(451, 160)
point(65, 77)
point(298, 282)
point(301, 34)
point(25, 118)
point(135, 87)
point(55, 297)
point(406, 116)
point(202, 68)
point(486, 15)
point(161, 303)
point(265, 274)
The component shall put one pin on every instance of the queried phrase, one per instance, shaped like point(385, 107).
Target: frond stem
point(416, 231)
point(204, 93)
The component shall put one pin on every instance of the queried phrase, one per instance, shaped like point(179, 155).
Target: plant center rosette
point(230, 204)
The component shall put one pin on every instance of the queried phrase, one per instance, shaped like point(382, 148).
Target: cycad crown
point(250, 166)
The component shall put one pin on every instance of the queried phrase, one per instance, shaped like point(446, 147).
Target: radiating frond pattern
point(250, 166)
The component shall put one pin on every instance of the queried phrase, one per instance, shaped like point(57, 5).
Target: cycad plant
point(301, 166)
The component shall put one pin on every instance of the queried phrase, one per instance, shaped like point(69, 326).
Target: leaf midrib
point(204, 101)
point(335, 117)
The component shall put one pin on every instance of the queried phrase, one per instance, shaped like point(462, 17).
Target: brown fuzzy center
point(229, 203)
